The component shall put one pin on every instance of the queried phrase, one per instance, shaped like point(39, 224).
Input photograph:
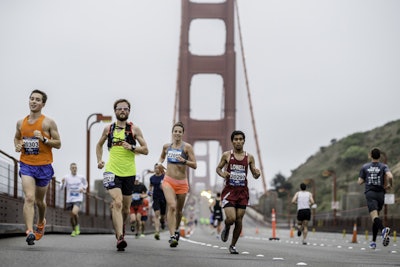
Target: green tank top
point(121, 161)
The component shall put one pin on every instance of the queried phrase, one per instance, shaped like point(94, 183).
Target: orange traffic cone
point(273, 222)
point(354, 239)
point(182, 231)
point(291, 232)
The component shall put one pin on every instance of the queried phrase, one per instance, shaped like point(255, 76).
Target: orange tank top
point(35, 152)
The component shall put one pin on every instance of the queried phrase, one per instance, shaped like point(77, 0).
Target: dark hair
point(120, 101)
point(303, 186)
point(375, 153)
point(44, 95)
point(237, 133)
point(218, 194)
point(180, 124)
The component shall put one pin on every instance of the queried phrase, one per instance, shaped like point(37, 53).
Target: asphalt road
point(200, 249)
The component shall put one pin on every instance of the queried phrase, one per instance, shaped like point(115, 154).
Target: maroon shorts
point(235, 196)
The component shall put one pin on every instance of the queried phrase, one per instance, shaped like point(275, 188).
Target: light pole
point(332, 173)
point(99, 117)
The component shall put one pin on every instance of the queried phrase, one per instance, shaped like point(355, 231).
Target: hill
point(344, 159)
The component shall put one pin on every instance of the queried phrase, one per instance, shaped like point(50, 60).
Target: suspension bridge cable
point(249, 99)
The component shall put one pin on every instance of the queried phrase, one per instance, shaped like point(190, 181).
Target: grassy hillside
point(345, 157)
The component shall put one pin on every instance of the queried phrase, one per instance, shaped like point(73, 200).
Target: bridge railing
point(11, 203)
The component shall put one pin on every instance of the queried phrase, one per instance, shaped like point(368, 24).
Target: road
point(199, 249)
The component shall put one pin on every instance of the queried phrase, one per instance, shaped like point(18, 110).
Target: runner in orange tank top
point(34, 138)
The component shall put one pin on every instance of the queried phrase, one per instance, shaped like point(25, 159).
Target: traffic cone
point(182, 231)
point(291, 232)
point(354, 239)
point(273, 222)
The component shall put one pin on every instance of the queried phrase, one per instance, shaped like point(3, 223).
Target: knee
point(29, 199)
point(172, 207)
point(117, 205)
point(230, 220)
point(238, 221)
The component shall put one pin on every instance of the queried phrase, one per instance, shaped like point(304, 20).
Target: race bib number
point(108, 180)
point(173, 154)
point(136, 196)
point(31, 145)
point(237, 179)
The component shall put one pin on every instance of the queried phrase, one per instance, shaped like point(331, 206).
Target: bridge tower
point(223, 65)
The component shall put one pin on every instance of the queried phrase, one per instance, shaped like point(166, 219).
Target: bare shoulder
point(19, 123)
point(106, 129)
point(250, 155)
point(49, 123)
point(226, 155)
point(137, 131)
point(188, 146)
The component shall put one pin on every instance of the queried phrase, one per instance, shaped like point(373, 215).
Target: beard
point(122, 118)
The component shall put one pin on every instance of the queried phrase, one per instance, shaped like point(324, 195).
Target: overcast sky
point(317, 70)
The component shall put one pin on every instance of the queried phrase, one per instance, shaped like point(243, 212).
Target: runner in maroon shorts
point(233, 167)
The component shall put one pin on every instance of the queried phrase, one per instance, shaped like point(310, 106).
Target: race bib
point(136, 196)
point(108, 180)
point(31, 145)
point(173, 154)
point(237, 179)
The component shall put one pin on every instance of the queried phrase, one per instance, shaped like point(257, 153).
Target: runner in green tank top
point(120, 170)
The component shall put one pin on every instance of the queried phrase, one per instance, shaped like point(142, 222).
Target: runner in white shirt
point(76, 185)
point(304, 200)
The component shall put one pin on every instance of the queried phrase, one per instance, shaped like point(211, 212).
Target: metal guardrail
point(11, 204)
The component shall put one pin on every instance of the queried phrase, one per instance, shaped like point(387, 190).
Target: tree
point(282, 186)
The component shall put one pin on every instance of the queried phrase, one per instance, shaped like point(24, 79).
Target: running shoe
point(385, 236)
point(30, 238)
point(162, 224)
point(121, 244)
point(173, 242)
point(157, 235)
point(73, 234)
point(177, 235)
point(132, 227)
point(372, 245)
point(77, 230)
point(142, 235)
point(233, 250)
point(137, 235)
point(225, 234)
point(40, 230)
point(298, 232)
point(304, 242)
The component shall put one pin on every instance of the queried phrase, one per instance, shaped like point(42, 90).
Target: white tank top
point(303, 200)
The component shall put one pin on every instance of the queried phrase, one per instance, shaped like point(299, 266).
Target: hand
point(256, 173)
point(18, 147)
point(100, 164)
point(38, 134)
point(127, 146)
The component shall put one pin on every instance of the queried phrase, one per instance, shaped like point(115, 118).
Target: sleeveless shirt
point(303, 200)
point(173, 153)
point(238, 171)
point(35, 152)
point(121, 161)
